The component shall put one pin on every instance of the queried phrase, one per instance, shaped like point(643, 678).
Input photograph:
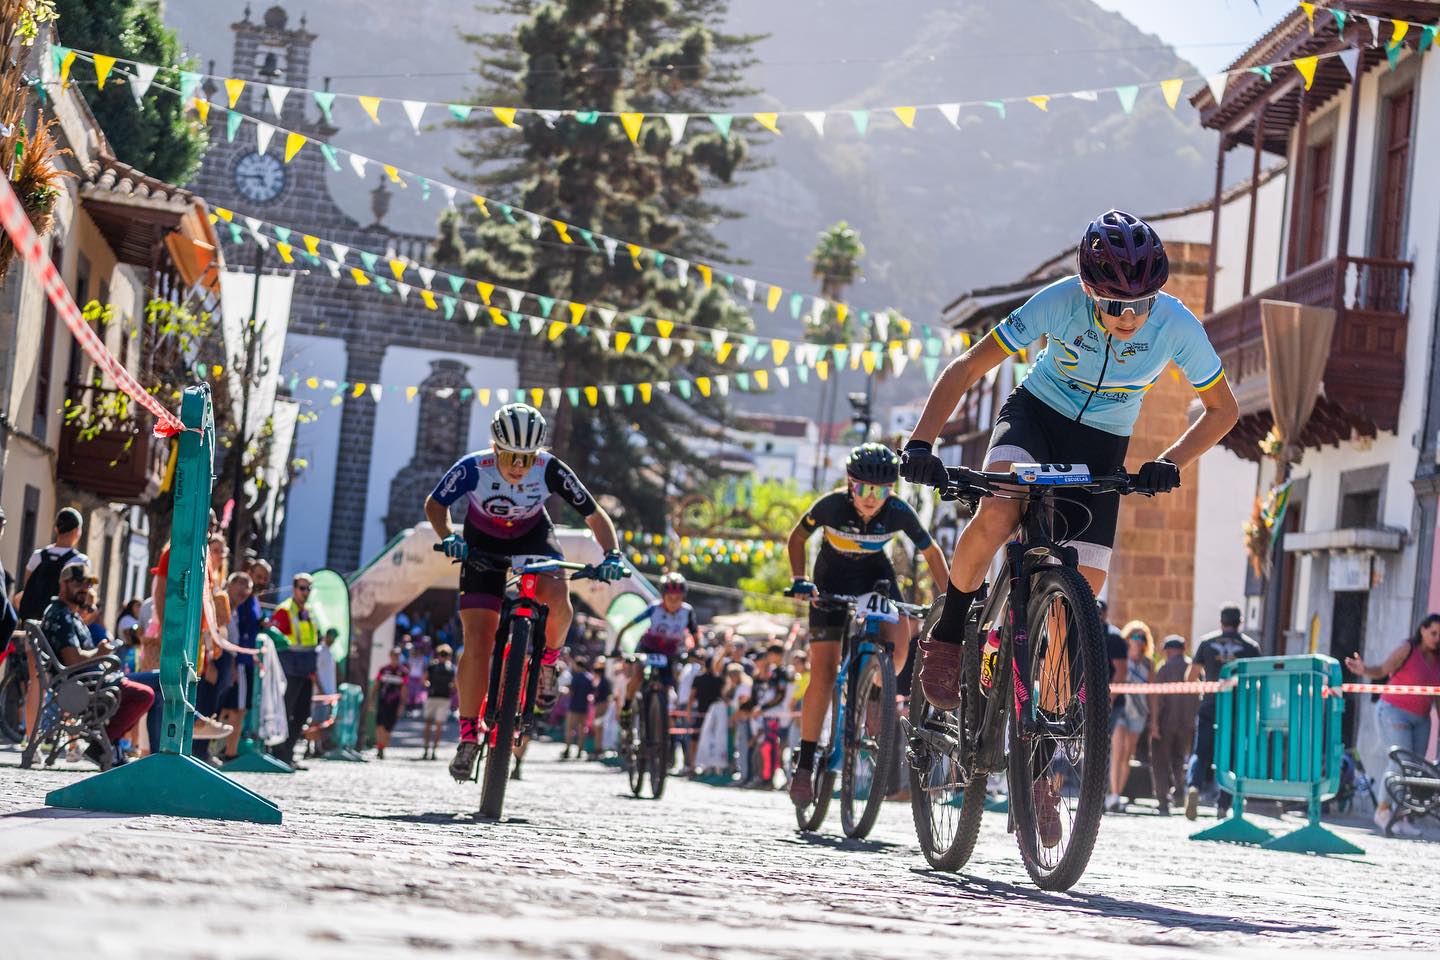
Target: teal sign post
point(170, 781)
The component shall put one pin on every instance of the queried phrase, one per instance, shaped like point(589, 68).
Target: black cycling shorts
point(1028, 430)
point(483, 589)
point(827, 621)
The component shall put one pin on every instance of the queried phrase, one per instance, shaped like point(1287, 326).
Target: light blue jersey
point(1088, 375)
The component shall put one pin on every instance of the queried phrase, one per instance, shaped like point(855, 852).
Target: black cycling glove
point(918, 464)
point(1157, 476)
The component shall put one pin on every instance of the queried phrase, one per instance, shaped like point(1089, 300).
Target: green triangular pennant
point(628, 390)
point(932, 366)
point(637, 323)
point(998, 106)
point(232, 125)
point(329, 153)
point(684, 387)
point(722, 123)
point(460, 111)
point(1127, 95)
point(742, 380)
point(1427, 37)
point(861, 119)
point(324, 99)
point(282, 234)
point(370, 260)
point(803, 373)
point(797, 300)
point(574, 394)
point(547, 304)
point(642, 342)
point(455, 283)
point(449, 303)
point(1339, 16)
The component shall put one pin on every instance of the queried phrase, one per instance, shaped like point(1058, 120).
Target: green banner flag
point(459, 111)
point(861, 119)
point(932, 366)
point(330, 158)
point(370, 260)
point(324, 99)
point(547, 304)
point(722, 123)
point(232, 125)
point(1127, 95)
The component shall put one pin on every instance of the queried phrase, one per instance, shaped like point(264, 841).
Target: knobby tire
point(858, 814)
point(497, 761)
point(657, 741)
point(928, 804)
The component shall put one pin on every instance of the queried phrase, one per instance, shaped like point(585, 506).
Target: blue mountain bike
point(863, 746)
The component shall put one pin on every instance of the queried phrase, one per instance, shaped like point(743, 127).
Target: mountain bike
point(862, 730)
point(1037, 705)
point(515, 664)
point(645, 740)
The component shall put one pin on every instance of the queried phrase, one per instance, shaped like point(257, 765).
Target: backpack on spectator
point(43, 584)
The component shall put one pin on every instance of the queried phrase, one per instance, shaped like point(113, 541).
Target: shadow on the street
point(832, 842)
point(1101, 905)
point(441, 818)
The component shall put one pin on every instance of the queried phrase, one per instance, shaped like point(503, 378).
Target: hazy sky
point(1208, 33)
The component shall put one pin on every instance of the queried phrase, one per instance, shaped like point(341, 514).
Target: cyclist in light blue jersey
point(1109, 336)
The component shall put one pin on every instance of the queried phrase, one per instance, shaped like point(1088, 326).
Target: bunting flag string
point(722, 345)
point(400, 267)
point(674, 126)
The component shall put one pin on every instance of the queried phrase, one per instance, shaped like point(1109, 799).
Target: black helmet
point(873, 463)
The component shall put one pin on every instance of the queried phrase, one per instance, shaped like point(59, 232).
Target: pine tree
point(156, 137)
point(648, 56)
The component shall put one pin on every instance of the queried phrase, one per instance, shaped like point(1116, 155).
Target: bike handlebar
point(963, 482)
point(491, 562)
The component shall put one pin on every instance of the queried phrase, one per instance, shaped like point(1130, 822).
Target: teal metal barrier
point(347, 724)
point(250, 753)
point(1277, 737)
point(170, 781)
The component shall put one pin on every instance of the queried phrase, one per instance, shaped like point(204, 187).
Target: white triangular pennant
point(687, 347)
point(554, 394)
point(357, 163)
point(682, 271)
point(607, 315)
point(549, 116)
point(609, 391)
point(341, 251)
point(951, 112)
point(263, 133)
point(663, 345)
point(427, 274)
point(414, 109)
point(749, 284)
point(502, 396)
point(377, 390)
point(602, 337)
point(1217, 82)
point(676, 122)
point(404, 289)
point(1351, 59)
point(722, 385)
point(333, 267)
point(534, 219)
point(449, 193)
point(1089, 96)
point(882, 326)
point(610, 245)
point(742, 353)
point(515, 297)
point(817, 120)
point(1374, 23)
point(898, 360)
point(140, 82)
point(472, 309)
point(783, 375)
point(717, 337)
point(276, 95)
point(535, 324)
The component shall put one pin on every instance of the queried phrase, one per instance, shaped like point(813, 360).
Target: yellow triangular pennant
point(556, 328)
point(772, 299)
point(537, 395)
point(632, 123)
point(703, 383)
point(372, 107)
point(293, 143)
point(394, 174)
point(498, 317)
point(484, 394)
point(841, 312)
point(621, 340)
point(664, 326)
point(577, 310)
point(429, 299)
point(906, 115)
point(780, 348)
point(1398, 29)
point(233, 89)
point(284, 249)
point(66, 63)
point(397, 267)
point(103, 66)
point(312, 244)
point(822, 367)
point(1306, 66)
point(225, 214)
point(644, 389)
point(410, 393)
point(723, 351)
point(312, 382)
point(868, 359)
point(563, 230)
point(1309, 9)
point(1040, 100)
point(1171, 89)
point(505, 115)
point(480, 202)
point(706, 274)
point(358, 389)
point(485, 289)
point(360, 279)
point(202, 107)
point(762, 377)
point(592, 395)
point(768, 121)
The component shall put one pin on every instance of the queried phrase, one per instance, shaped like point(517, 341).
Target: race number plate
point(521, 561)
point(657, 659)
point(876, 606)
point(1051, 474)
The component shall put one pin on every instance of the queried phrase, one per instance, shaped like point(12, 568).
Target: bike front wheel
point(870, 747)
point(810, 816)
point(502, 743)
point(657, 741)
point(1058, 775)
point(946, 799)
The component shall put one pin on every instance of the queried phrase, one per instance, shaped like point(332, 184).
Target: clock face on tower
point(259, 177)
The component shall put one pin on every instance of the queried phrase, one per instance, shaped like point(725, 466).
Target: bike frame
point(525, 606)
point(859, 645)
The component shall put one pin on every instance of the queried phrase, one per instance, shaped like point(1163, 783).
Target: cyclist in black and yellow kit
point(859, 522)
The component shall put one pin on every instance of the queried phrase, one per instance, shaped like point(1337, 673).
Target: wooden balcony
point(1365, 373)
point(108, 447)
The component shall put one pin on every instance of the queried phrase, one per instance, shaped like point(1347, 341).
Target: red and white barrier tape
point(27, 243)
point(1215, 686)
point(1401, 688)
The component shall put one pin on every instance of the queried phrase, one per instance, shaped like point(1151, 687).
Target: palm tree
point(836, 264)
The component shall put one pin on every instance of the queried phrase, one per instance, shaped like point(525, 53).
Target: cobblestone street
point(384, 859)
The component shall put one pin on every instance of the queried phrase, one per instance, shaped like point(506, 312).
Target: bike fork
point(1020, 638)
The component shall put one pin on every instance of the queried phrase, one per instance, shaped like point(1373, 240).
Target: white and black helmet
point(518, 428)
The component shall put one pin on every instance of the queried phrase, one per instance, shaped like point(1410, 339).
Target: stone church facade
point(371, 463)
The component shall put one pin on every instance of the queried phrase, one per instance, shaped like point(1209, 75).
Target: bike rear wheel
point(1058, 778)
point(870, 754)
point(947, 800)
point(13, 682)
point(502, 744)
point(657, 741)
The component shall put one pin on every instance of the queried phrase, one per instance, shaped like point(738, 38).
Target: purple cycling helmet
point(1121, 257)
